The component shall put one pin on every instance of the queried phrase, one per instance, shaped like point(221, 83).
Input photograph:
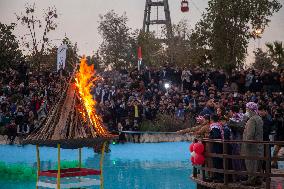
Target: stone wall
point(156, 137)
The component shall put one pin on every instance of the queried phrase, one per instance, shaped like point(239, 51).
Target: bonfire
point(85, 81)
point(74, 115)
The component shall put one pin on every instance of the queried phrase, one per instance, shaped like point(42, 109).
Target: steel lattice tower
point(167, 21)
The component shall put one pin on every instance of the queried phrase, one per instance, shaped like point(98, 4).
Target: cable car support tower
point(147, 22)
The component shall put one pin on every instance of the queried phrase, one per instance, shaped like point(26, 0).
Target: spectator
point(215, 132)
point(220, 80)
point(267, 122)
point(209, 108)
point(279, 124)
point(236, 124)
point(185, 77)
point(249, 79)
point(180, 112)
point(253, 132)
point(11, 131)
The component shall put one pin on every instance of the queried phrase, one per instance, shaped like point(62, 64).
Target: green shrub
point(17, 172)
point(148, 125)
point(23, 172)
point(166, 123)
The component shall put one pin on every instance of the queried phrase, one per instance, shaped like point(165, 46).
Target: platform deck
point(276, 183)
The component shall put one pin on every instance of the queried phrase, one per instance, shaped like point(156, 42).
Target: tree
point(49, 58)
point(181, 44)
point(276, 52)
point(153, 52)
point(157, 53)
point(199, 52)
point(116, 49)
point(10, 54)
point(226, 28)
point(36, 41)
point(262, 60)
point(72, 56)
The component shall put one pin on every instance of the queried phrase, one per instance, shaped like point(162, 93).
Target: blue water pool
point(127, 166)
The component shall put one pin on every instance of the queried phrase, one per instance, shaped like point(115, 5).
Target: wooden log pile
point(65, 120)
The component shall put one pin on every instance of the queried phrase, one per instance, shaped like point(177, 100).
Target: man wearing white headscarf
point(253, 132)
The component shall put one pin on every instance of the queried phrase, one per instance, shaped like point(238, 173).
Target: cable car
point(184, 6)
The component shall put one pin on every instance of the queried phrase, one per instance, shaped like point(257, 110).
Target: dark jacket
point(279, 126)
point(267, 127)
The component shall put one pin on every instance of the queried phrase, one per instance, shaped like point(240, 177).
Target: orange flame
point(85, 79)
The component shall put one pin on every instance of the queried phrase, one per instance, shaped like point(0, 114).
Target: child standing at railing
point(216, 132)
point(236, 123)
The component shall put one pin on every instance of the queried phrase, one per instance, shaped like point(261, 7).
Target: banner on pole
point(61, 56)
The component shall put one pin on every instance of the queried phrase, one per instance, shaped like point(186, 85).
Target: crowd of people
point(256, 125)
point(25, 100)
point(127, 98)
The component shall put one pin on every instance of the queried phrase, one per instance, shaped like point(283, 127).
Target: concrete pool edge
point(134, 137)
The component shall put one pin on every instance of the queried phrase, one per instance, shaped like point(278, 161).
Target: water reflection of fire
point(85, 79)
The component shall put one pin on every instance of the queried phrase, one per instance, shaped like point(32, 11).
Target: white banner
point(61, 56)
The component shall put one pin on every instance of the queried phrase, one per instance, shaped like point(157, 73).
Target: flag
point(139, 53)
point(139, 57)
point(61, 56)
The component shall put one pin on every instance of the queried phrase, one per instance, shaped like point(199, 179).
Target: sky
point(78, 19)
